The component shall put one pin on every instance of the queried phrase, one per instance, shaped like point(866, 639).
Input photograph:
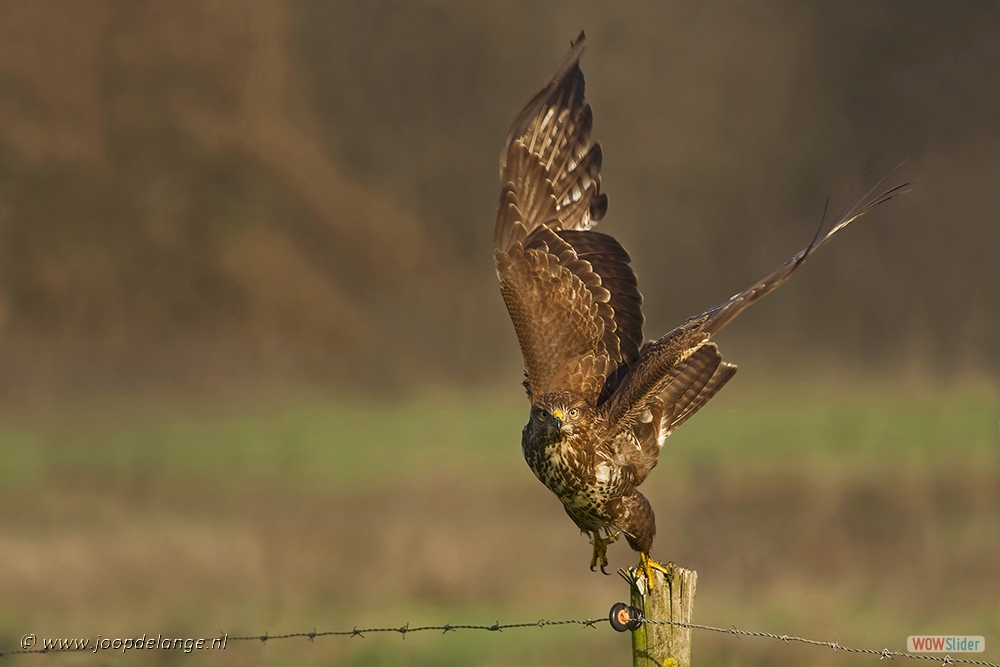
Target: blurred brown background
point(204, 193)
point(287, 207)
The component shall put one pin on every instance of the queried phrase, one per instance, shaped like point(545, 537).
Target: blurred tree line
point(200, 193)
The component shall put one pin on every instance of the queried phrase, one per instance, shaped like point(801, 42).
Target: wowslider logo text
point(945, 644)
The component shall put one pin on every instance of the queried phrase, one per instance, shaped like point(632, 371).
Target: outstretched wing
point(678, 395)
point(658, 360)
point(570, 292)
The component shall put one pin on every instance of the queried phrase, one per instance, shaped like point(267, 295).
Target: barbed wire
point(543, 623)
point(444, 629)
point(835, 645)
point(354, 632)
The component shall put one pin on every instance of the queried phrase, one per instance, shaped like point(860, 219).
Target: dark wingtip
point(582, 37)
point(818, 236)
point(599, 207)
point(567, 73)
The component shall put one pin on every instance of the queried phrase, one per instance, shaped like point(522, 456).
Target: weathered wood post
point(672, 599)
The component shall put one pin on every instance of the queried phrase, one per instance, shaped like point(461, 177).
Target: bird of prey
point(602, 400)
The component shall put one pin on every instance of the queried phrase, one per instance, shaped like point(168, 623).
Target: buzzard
point(602, 400)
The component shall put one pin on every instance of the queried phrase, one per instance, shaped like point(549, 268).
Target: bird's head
point(560, 415)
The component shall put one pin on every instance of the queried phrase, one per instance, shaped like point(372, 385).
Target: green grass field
point(864, 515)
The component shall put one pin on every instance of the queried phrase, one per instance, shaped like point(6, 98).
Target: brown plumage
point(602, 402)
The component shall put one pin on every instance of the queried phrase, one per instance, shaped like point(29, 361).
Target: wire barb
point(835, 644)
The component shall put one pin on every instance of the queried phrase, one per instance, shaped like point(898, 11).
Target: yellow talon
point(648, 565)
point(601, 550)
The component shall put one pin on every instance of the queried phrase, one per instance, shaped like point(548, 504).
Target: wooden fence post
point(672, 599)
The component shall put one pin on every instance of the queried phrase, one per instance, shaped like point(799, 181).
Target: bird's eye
point(573, 413)
point(544, 414)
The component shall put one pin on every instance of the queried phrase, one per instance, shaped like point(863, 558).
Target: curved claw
point(600, 556)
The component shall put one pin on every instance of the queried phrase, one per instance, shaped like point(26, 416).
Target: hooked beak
point(557, 418)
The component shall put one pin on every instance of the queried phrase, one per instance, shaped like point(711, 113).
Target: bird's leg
point(648, 565)
point(601, 549)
